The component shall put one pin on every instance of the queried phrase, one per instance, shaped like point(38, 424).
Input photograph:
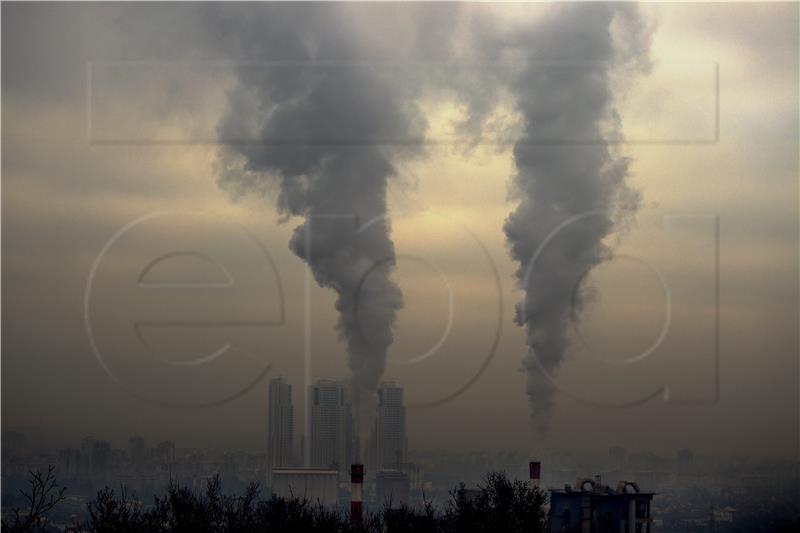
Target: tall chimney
point(535, 470)
point(356, 492)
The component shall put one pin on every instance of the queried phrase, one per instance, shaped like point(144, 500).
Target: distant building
point(136, 448)
point(317, 485)
point(71, 463)
point(593, 507)
point(86, 446)
point(101, 458)
point(684, 462)
point(389, 433)
point(332, 438)
point(469, 495)
point(724, 515)
point(616, 458)
point(393, 489)
point(13, 442)
point(280, 430)
point(164, 453)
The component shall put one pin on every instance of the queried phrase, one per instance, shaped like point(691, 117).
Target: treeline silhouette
point(499, 505)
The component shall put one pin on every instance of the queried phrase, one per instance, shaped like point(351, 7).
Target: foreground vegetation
point(499, 505)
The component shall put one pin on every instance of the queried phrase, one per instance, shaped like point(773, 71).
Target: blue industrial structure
point(591, 507)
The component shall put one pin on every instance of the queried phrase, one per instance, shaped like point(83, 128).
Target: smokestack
point(356, 492)
point(535, 471)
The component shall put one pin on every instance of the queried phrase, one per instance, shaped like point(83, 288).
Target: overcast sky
point(112, 115)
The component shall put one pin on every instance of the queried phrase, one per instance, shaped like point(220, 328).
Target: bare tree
point(44, 494)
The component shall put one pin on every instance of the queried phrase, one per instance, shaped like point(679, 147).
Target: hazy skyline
point(711, 133)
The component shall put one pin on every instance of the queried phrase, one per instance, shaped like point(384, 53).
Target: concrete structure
point(393, 489)
point(591, 507)
point(318, 485)
point(332, 436)
point(280, 430)
point(389, 433)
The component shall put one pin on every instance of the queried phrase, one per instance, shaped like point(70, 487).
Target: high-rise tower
point(280, 426)
point(389, 434)
point(331, 426)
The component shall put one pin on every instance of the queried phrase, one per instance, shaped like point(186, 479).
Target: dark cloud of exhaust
point(331, 127)
point(330, 122)
point(570, 183)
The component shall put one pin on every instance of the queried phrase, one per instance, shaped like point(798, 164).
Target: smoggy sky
point(149, 285)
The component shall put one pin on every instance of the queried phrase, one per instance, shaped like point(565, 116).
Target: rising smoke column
point(568, 175)
point(330, 126)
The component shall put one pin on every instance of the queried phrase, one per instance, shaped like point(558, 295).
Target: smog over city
point(352, 266)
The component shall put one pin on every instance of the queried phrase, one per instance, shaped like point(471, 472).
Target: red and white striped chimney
point(356, 492)
point(535, 470)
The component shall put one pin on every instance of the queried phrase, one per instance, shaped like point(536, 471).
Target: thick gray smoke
point(331, 127)
point(569, 175)
point(331, 124)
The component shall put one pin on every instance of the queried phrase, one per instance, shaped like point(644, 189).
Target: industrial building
point(317, 485)
point(393, 489)
point(591, 507)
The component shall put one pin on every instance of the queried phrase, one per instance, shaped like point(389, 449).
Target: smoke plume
point(331, 128)
point(330, 125)
point(570, 180)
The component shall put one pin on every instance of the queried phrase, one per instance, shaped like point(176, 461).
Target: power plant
point(592, 507)
point(588, 506)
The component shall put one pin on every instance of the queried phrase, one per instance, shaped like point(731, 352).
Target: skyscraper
point(331, 426)
point(389, 434)
point(280, 426)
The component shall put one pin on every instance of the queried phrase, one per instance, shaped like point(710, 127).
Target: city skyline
point(742, 482)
